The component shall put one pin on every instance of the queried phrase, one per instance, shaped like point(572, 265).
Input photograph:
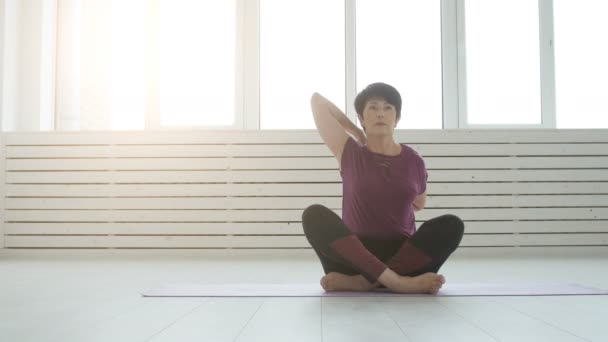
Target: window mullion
point(48, 66)
point(547, 64)
point(463, 121)
point(152, 67)
point(449, 57)
point(248, 68)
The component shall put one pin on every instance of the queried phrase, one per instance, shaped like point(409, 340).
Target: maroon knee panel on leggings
point(352, 250)
point(408, 259)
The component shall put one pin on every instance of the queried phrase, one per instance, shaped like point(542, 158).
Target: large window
point(301, 52)
point(581, 67)
point(253, 64)
point(399, 42)
point(502, 62)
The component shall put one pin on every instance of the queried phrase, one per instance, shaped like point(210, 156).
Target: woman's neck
point(383, 145)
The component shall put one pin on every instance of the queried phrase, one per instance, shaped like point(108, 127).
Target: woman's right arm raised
point(333, 125)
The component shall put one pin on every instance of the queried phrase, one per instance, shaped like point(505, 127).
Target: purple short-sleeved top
point(378, 191)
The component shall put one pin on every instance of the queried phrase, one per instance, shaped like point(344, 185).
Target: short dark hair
point(381, 90)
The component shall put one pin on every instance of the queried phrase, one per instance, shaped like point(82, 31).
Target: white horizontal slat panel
point(295, 163)
point(501, 136)
point(109, 151)
point(126, 190)
point(554, 226)
point(292, 163)
point(84, 177)
point(269, 241)
point(117, 164)
point(296, 241)
point(464, 163)
point(287, 215)
point(520, 201)
point(517, 175)
point(485, 163)
point(109, 190)
point(162, 138)
point(292, 150)
point(433, 202)
point(280, 150)
point(328, 163)
point(173, 203)
point(532, 188)
point(211, 176)
point(283, 176)
point(510, 149)
point(428, 150)
point(518, 213)
point(295, 190)
point(498, 181)
point(164, 151)
point(155, 228)
point(131, 177)
point(304, 136)
point(2, 186)
point(535, 239)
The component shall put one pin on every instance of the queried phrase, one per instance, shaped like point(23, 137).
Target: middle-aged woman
point(376, 243)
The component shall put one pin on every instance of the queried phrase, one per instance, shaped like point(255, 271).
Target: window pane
point(128, 104)
point(580, 63)
point(197, 62)
point(301, 51)
point(399, 43)
point(502, 62)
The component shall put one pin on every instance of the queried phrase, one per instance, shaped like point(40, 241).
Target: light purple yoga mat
point(315, 290)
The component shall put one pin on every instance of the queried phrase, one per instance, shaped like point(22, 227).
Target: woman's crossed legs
point(403, 265)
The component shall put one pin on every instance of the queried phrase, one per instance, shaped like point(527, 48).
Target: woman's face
point(379, 117)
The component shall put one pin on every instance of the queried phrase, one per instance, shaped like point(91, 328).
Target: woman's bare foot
point(334, 281)
point(424, 283)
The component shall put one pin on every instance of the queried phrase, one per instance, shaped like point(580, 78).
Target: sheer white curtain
point(137, 64)
point(27, 65)
point(100, 74)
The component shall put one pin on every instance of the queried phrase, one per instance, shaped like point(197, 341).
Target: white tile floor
point(94, 296)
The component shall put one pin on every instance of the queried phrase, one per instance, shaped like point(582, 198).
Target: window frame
point(453, 44)
point(246, 44)
point(547, 69)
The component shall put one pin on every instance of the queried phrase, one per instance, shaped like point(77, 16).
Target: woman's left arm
point(420, 202)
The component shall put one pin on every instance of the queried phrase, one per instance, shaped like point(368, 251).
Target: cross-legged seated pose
point(376, 242)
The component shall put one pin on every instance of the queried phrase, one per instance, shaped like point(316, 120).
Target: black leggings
point(341, 251)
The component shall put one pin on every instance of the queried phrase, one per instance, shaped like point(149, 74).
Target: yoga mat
point(315, 290)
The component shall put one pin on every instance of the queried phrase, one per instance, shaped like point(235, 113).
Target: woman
point(376, 242)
